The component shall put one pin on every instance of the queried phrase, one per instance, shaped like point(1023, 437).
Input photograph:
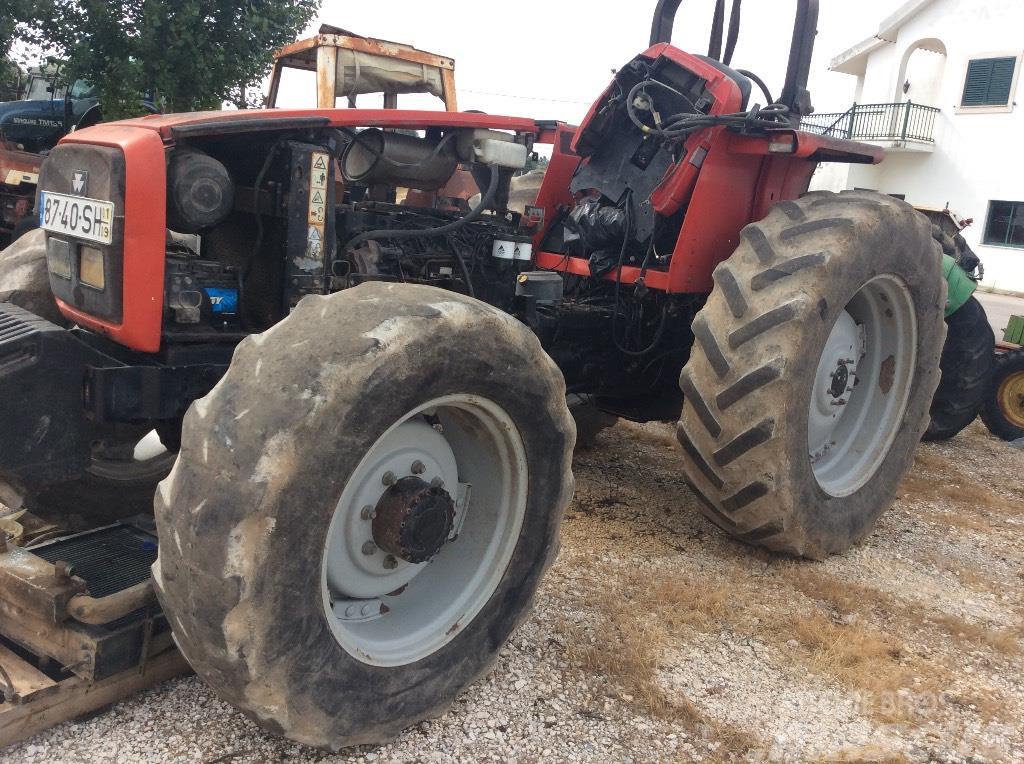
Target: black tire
point(748, 383)
point(590, 420)
point(24, 279)
point(110, 489)
point(243, 515)
point(967, 360)
point(1003, 411)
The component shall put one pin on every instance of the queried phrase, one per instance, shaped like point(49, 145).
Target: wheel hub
point(833, 384)
point(1011, 398)
point(410, 558)
point(413, 519)
point(839, 379)
point(860, 389)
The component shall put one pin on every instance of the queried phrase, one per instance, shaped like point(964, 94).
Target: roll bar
point(805, 27)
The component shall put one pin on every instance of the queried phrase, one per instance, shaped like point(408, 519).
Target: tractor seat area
point(741, 81)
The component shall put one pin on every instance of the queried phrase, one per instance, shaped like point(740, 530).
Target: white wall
point(977, 157)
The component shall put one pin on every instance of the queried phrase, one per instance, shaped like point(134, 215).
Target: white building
point(937, 87)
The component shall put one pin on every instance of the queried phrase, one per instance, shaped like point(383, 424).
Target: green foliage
point(11, 77)
point(535, 162)
point(14, 14)
point(190, 54)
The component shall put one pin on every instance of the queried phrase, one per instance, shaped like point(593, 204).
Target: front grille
point(104, 169)
point(109, 559)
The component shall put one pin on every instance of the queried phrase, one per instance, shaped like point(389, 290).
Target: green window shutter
point(989, 81)
point(1005, 224)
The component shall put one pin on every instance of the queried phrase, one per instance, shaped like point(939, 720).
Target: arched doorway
point(921, 70)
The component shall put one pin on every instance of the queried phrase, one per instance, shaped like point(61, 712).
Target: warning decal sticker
point(319, 169)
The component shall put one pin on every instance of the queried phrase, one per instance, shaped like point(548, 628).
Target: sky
point(551, 60)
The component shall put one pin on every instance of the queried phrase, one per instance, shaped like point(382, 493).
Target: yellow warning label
point(320, 166)
point(318, 172)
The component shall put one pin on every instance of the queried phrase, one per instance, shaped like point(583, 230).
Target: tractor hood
point(194, 124)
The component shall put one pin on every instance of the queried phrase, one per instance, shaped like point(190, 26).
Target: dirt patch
point(657, 638)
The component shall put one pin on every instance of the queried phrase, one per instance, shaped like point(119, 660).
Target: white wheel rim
point(385, 611)
point(862, 384)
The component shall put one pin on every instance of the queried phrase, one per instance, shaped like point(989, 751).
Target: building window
point(1005, 224)
point(989, 81)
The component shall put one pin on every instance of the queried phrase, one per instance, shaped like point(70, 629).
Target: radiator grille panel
point(108, 560)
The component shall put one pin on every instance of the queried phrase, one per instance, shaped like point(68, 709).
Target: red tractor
point(364, 401)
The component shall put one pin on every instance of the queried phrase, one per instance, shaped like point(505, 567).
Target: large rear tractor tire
point(1003, 410)
point(362, 510)
point(815, 360)
point(967, 360)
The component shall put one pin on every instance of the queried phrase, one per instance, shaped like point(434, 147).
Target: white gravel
point(633, 514)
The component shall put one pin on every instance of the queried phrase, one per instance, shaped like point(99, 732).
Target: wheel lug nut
point(367, 513)
point(388, 478)
point(418, 467)
point(390, 562)
point(437, 483)
point(369, 548)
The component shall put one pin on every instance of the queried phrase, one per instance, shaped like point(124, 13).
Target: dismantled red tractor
point(364, 399)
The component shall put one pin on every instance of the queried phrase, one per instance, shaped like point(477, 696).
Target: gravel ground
point(655, 638)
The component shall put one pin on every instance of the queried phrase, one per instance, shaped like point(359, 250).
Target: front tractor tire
point(814, 363)
point(362, 510)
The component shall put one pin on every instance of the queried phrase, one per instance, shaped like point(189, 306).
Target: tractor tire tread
point(744, 357)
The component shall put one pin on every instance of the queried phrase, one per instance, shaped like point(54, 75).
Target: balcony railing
point(876, 122)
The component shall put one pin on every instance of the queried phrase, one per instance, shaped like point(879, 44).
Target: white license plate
point(90, 219)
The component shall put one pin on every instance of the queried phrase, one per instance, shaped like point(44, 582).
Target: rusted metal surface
point(886, 374)
point(101, 610)
point(36, 587)
point(21, 680)
point(326, 67)
point(304, 50)
point(19, 175)
point(47, 610)
point(74, 697)
point(320, 54)
point(413, 519)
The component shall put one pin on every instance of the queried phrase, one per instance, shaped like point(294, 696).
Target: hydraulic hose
point(412, 233)
point(681, 125)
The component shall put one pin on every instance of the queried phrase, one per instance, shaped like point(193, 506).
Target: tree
point(14, 15)
point(11, 79)
point(190, 54)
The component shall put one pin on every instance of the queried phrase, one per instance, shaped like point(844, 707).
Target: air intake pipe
point(375, 156)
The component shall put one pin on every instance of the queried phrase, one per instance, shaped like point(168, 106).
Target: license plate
point(90, 219)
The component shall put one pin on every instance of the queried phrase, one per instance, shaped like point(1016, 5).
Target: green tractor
point(968, 354)
point(1003, 408)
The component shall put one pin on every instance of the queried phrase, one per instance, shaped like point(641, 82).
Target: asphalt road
point(999, 308)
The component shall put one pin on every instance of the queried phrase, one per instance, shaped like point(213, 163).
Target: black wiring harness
point(680, 126)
